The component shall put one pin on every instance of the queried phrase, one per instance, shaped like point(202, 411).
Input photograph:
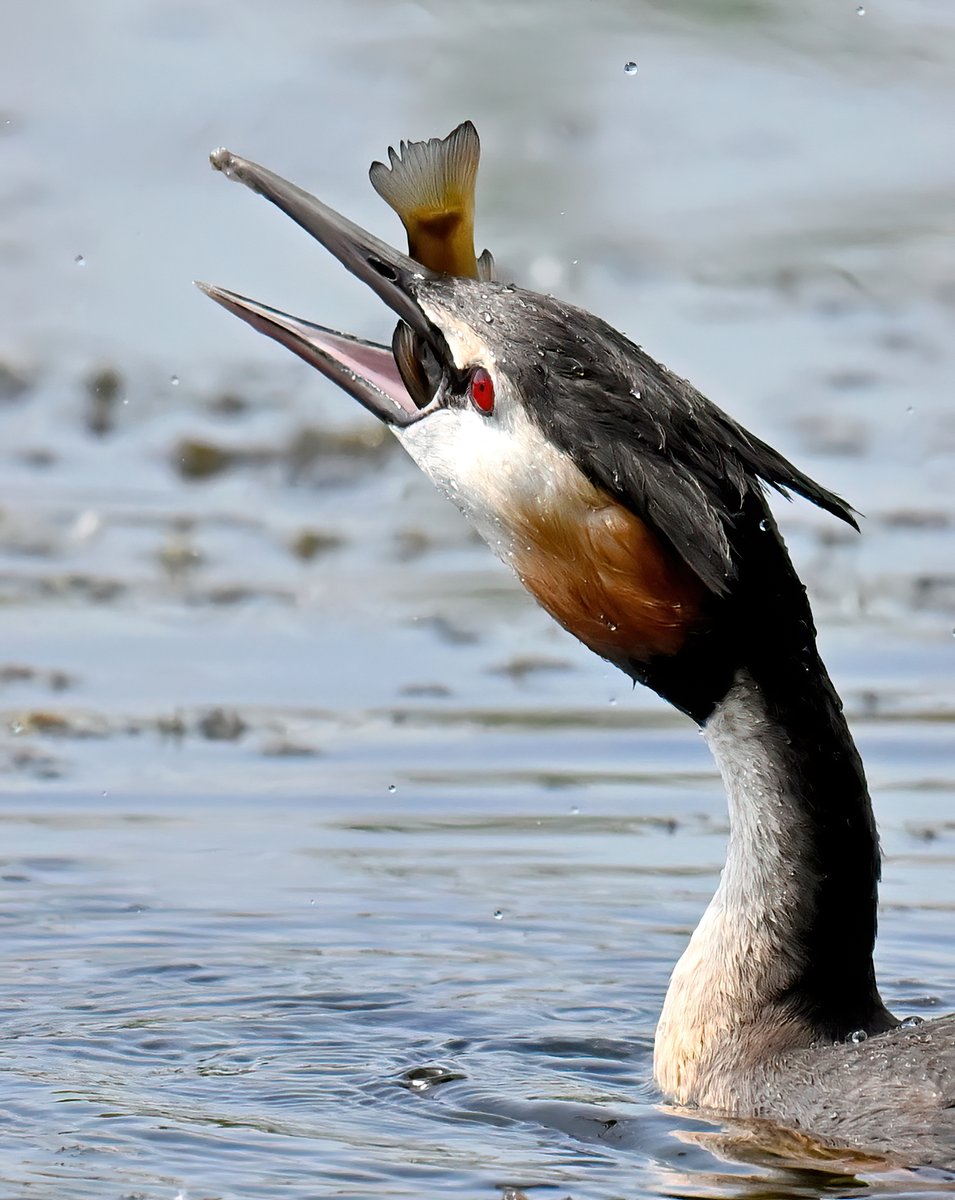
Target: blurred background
point(300, 789)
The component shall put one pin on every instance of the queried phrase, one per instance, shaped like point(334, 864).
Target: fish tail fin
point(430, 185)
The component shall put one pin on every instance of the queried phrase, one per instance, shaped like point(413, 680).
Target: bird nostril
point(385, 270)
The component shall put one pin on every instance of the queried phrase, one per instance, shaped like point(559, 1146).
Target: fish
point(431, 186)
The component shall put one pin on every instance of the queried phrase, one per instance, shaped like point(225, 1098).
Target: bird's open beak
point(365, 370)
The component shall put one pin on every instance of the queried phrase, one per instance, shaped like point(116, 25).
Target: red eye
point(481, 391)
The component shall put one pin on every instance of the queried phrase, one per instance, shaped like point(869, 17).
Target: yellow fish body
point(430, 185)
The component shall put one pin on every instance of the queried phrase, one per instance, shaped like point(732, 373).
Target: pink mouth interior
point(373, 363)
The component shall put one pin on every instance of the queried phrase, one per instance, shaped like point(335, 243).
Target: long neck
point(782, 957)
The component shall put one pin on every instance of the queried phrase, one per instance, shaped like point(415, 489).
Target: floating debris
point(310, 543)
point(28, 761)
point(197, 459)
point(221, 725)
point(426, 691)
point(285, 749)
point(173, 727)
point(179, 555)
point(40, 457)
point(916, 518)
point(411, 544)
point(311, 443)
point(104, 388)
point(14, 382)
point(47, 723)
point(519, 667)
point(447, 631)
point(228, 404)
point(56, 681)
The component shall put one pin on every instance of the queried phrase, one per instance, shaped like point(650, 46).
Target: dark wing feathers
point(779, 473)
point(657, 445)
point(674, 502)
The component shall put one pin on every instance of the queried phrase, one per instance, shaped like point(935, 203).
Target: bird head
point(619, 495)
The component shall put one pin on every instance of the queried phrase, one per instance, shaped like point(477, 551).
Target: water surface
point(330, 867)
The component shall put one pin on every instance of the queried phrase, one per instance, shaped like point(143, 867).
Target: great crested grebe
point(634, 511)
